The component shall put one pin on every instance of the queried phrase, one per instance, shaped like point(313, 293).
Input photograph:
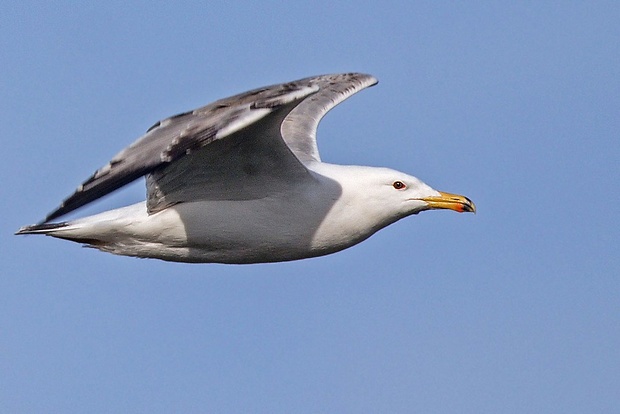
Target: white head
point(362, 200)
point(391, 195)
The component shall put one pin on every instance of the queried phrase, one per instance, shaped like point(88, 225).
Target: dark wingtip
point(54, 214)
point(40, 228)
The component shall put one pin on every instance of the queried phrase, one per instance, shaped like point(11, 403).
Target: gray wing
point(300, 125)
point(173, 138)
point(263, 125)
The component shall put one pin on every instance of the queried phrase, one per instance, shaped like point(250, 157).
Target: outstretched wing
point(300, 125)
point(174, 137)
point(166, 144)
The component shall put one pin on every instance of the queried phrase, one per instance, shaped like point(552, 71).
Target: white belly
point(251, 231)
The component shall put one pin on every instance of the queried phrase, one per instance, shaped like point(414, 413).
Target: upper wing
point(300, 125)
point(298, 106)
point(174, 137)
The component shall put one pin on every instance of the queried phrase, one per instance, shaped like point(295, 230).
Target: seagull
point(241, 181)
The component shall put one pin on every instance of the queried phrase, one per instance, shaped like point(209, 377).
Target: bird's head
point(402, 195)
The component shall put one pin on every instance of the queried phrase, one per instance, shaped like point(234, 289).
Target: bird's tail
point(43, 228)
point(77, 231)
point(97, 231)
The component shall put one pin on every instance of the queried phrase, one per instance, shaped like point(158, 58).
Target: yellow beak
point(454, 202)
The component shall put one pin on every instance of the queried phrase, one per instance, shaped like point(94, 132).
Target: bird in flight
point(241, 181)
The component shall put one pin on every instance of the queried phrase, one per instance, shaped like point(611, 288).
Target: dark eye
point(399, 185)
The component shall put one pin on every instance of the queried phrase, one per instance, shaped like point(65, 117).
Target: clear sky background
point(513, 310)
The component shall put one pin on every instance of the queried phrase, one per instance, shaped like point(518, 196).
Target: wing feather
point(299, 105)
point(299, 127)
point(172, 138)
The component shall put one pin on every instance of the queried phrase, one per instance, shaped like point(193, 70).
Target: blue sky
point(513, 310)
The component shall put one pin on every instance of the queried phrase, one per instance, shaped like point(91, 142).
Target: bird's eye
point(399, 185)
